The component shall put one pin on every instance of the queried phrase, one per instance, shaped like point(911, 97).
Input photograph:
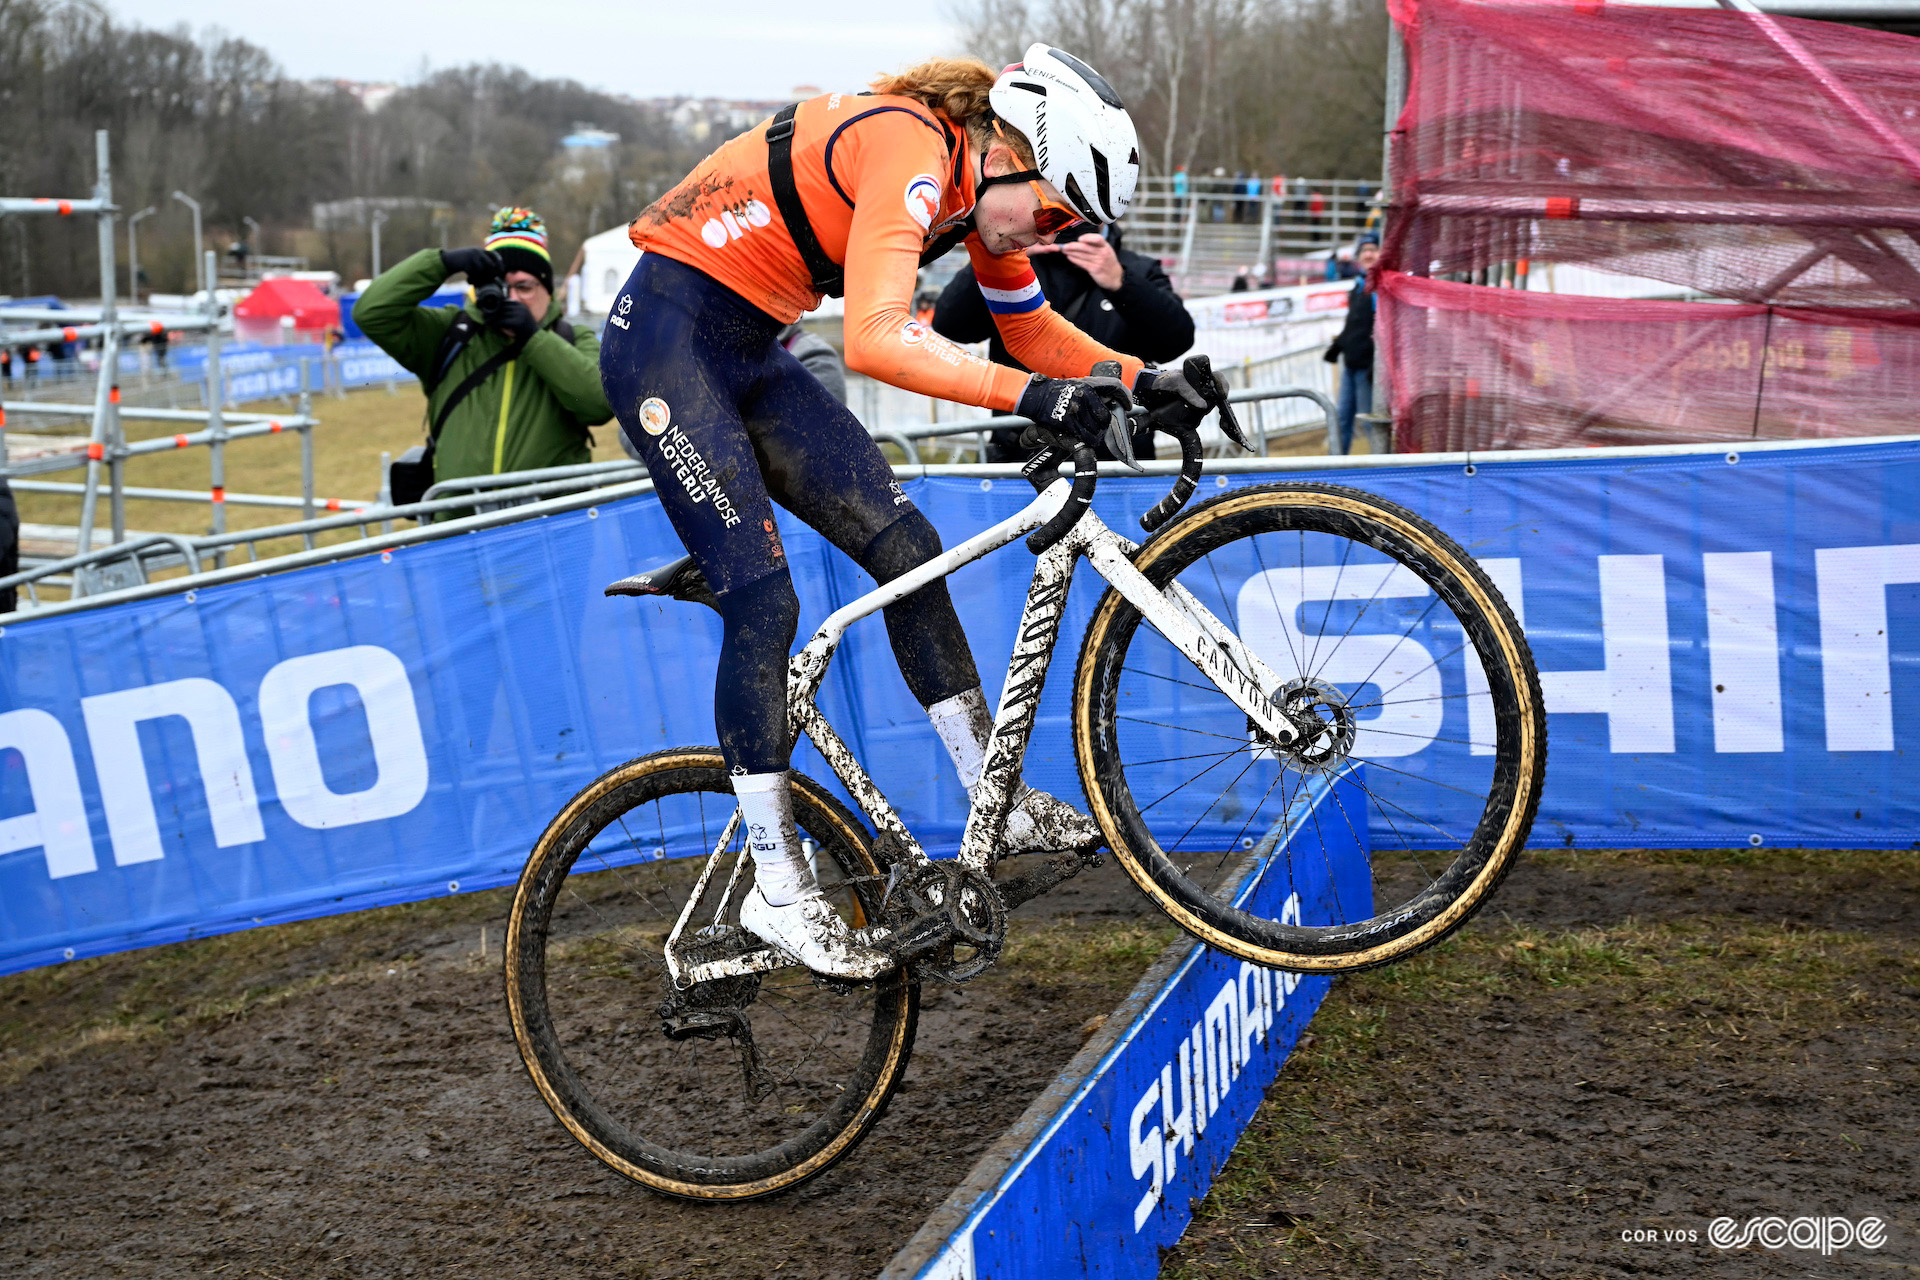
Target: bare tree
point(1289, 86)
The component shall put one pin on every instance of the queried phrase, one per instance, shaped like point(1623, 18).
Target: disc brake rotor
point(1320, 713)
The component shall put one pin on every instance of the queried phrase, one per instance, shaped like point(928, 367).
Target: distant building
point(588, 149)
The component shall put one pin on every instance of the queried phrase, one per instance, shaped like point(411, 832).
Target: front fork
point(1207, 642)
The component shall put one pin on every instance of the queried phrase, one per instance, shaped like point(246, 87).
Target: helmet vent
point(1095, 81)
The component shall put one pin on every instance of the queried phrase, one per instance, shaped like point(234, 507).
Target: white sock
point(964, 725)
point(766, 810)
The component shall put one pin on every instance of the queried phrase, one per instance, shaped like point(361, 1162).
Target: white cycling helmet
point(1083, 140)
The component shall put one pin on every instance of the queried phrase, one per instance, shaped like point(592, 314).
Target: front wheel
point(727, 1089)
point(1382, 633)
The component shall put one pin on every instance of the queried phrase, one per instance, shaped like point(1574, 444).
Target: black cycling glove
point(1182, 397)
point(1080, 407)
point(516, 320)
point(478, 265)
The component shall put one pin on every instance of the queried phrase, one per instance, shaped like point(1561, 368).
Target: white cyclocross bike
point(1291, 632)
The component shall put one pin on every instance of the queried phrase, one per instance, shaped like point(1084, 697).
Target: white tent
point(608, 262)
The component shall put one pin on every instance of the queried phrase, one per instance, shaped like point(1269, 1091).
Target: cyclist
point(850, 192)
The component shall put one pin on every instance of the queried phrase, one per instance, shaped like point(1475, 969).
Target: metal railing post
point(1266, 227)
point(304, 407)
point(216, 403)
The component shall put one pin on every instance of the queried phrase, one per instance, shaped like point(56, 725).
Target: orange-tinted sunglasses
point(1052, 217)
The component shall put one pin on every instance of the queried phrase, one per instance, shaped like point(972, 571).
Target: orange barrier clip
point(219, 494)
point(179, 442)
point(70, 333)
point(3, 418)
point(333, 504)
point(272, 428)
point(66, 207)
point(113, 394)
point(96, 451)
point(156, 327)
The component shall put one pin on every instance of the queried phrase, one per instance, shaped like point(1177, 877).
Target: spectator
point(1120, 299)
point(540, 389)
point(817, 356)
point(6, 364)
point(1252, 189)
point(1354, 347)
point(1221, 183)
point(1180, 183)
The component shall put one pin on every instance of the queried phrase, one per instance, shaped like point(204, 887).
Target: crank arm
point(1055, 871)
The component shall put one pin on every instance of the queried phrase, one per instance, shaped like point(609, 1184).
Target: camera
point(490, 298)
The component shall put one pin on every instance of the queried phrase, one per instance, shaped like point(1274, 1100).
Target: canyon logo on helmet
point(1083, 140)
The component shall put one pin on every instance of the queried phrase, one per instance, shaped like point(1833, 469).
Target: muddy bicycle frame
point(1187, 624)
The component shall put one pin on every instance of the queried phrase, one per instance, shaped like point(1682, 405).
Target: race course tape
point(1100, 1173)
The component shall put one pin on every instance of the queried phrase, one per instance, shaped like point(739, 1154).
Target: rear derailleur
point(718, 1006)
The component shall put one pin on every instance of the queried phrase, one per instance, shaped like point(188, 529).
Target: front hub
point(1320, 715)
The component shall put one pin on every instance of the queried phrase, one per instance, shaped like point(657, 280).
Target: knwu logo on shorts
point(1827, 1235)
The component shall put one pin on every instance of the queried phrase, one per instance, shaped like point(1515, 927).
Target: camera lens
point(490, 298)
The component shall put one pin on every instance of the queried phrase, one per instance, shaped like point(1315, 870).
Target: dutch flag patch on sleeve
point(1012, 295)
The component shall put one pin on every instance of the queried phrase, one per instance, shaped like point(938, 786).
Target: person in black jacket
point(1119, 298)
point(1354, 346)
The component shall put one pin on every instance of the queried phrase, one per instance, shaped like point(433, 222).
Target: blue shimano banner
point(1113, 1177)
point(1729, 646)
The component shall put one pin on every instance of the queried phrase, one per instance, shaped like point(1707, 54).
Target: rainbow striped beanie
point(520, 238)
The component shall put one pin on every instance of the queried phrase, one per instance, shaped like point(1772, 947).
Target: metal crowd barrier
point(491, 500)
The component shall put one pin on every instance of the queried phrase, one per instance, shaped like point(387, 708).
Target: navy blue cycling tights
point(728, 422)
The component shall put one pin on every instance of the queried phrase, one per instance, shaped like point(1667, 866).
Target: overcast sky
point(735, 48)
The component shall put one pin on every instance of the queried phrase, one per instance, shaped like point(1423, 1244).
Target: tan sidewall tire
point(547, 847)
point(1513, 649)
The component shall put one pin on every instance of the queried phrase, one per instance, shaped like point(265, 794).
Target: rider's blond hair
point(957, 88)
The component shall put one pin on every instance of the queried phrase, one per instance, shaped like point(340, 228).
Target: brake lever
point(1200, 376)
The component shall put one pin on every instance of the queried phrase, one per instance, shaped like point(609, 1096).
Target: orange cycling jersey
point(881, 179)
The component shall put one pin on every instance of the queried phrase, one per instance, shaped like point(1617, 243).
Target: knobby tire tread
point(1518, 776)
point(770, 1172)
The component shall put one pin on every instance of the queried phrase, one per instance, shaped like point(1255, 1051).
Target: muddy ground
point(1626, 1042)
point(343, 1098)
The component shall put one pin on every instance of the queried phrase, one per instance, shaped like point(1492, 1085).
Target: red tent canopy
point(301, 299)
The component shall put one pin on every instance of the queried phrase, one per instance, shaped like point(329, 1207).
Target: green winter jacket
point(533, 411)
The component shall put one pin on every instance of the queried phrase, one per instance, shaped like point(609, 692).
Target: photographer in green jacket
point(510, 385)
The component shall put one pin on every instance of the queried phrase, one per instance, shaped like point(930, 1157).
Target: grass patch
point(1115, 949)
point(1717, 987)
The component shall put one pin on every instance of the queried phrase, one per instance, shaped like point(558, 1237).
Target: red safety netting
point(1481, 368)
point(1750, 157)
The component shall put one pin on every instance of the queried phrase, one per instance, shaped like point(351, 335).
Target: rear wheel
point(734, 1088)
point(1383, 633)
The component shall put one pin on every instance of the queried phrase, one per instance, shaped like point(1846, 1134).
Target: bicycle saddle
point(680, 579)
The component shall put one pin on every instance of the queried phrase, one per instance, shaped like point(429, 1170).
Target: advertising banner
point(1111, 1179)
point(1729, 647)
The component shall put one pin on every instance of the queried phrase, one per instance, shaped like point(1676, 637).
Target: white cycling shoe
point(1040, 823)
point(813, 933)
